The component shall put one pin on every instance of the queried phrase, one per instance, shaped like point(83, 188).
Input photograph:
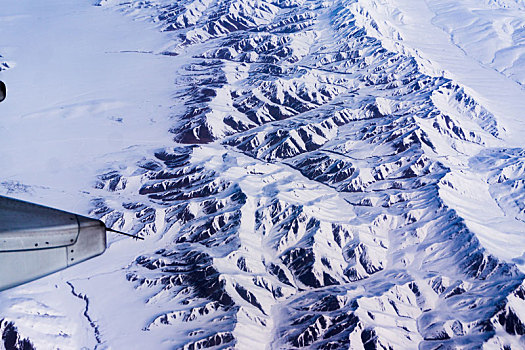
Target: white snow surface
point(306, 174)
point(81, 83)
point(86, 89)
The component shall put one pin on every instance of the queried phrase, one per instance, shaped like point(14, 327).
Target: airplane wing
point(36, 241)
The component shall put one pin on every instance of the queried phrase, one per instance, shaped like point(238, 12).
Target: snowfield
point(345, 174)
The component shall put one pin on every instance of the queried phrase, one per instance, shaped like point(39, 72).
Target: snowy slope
point(307, 174)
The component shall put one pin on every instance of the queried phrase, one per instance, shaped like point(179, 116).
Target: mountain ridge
point(321, 190)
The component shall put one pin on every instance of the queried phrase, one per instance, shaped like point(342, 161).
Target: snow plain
point(81, 82)
point(87, 88)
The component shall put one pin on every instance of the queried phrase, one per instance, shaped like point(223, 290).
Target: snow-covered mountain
point(306, 173)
